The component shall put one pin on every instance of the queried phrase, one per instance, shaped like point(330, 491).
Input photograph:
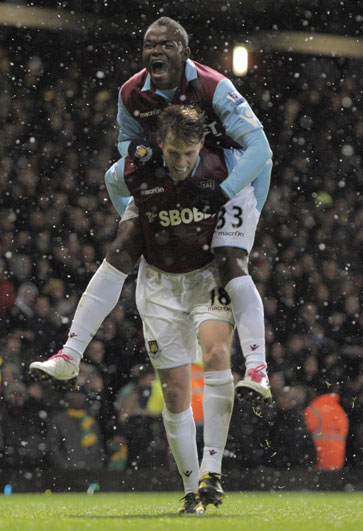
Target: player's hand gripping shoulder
point(145, 152)
point(208, 200)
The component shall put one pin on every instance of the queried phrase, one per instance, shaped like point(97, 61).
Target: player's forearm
point(129, 128)
point(261, 185)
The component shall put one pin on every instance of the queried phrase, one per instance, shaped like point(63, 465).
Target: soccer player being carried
point(170, 77)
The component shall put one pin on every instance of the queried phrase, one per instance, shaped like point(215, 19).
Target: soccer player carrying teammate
point(179, 296)
point(169, 77)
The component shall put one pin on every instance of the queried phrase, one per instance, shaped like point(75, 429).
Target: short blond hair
point(182, 121)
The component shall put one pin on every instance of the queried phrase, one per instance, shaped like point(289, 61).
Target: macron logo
point(148, 113)
point(157, 190)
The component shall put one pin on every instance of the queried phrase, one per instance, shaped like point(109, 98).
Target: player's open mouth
point(158, 68)
point(180, 170)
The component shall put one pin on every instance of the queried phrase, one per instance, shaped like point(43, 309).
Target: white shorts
point(173, 306)
point(237, 222)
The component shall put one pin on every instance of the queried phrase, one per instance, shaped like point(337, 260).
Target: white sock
point(218, 400)
point(249, 316)
point(181, 433)
point(98, 300)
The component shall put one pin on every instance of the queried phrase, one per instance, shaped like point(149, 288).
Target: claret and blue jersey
point(169, 222)
point(230, 121)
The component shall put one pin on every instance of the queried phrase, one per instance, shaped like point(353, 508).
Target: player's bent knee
point(216, 358)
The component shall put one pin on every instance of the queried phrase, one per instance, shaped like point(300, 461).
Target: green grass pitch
point(144, 511)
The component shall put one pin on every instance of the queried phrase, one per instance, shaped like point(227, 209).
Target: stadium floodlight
point(240, 60)
point(307, 43)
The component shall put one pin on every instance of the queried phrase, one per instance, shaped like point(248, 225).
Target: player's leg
point(97, 301)
point(172, 347)
point(249, 316)
point(215, 339)
point(232, 242)
point(181, 432)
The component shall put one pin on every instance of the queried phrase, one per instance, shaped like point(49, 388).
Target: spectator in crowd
point(74, 439)
point(132, 399)
point(138, 406)
point(23, 309)
point(98, 385)
point(246, 443)
point(10, 373)
point(289, 443)
point(46, 332)
point(355, 435)
point(92, 385)
point(117, 452)
point(7, 289)
point(61, 307)
point(24, 429)
point(328, 423)
point(12, 348)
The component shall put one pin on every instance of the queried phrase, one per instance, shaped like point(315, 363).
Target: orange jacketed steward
point(328, 423)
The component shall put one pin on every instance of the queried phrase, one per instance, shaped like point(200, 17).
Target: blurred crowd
point(56, 221)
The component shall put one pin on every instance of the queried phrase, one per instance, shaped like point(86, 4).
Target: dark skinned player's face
point(164, 56)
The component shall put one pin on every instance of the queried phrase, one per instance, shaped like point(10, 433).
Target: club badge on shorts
point(154, 351)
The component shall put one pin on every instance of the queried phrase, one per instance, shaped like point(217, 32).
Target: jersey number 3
point(237, 216)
